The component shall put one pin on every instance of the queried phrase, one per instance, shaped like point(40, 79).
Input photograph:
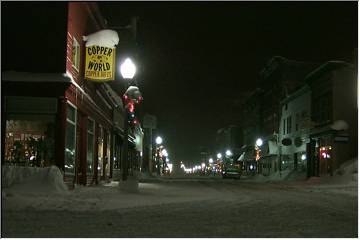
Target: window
point(75, 54)
point(29, 141)
point(297, 120)
point(70, 140)
point(288, 122)
point(284, 126)
point(90, 146)
point(322, 109)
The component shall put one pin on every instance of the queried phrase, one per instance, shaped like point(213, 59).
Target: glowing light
point(164, 152)
point(211, 160)
point(303, 157)
point(158, 140)
point(228, 153)
point(259, 142)
point(127, 69)
point(219, 155)
point(251, 167)
point(203, 165)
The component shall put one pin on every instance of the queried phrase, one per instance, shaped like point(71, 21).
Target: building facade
point(294, 129)
point(333, 137)
point(51, 114)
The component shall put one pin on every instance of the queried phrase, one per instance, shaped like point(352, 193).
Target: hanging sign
point(99, 63)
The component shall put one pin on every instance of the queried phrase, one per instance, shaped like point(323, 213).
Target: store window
point(76, 54)
point(30, 142)
point(108, 149)
point(70, 140)
point(100, 151)
point(29, 131)
point(90, 146)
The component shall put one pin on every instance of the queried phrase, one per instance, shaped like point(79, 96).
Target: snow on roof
point(12, 76)
point(105, 38)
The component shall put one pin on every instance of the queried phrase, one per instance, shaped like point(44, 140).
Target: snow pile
point(273, 177)
point(33, 180)
point(105, 38)
point(339, 125)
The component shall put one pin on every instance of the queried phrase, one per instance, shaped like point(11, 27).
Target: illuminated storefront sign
point(100, 63)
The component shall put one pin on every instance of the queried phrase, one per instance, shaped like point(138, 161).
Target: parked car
point(231, 170)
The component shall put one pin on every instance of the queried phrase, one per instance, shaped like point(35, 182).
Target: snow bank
point(33, 180)
point(105, 38)
point(339, 125)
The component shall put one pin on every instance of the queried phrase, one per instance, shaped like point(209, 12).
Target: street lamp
point(211, 160)
point(219, 155)
point(228, 153)
point(158, 140)
point(259, 142)
point(127, 70)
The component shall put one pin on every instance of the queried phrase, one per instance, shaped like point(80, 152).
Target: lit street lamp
point(158, 142)
point(228, 153)
point(259, 142)
point(219, 155)
point(127, 70)
point(211, 160)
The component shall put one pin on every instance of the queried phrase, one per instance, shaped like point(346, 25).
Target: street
point(185, 208)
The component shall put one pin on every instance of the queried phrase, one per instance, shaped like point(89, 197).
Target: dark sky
point(198, 59)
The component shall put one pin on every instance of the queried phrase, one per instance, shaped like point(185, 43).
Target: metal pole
point(124, 158)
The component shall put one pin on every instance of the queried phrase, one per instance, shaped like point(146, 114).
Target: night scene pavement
point(185, 208)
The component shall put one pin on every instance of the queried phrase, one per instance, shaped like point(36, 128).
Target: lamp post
point(127, 70)
point(158, 142)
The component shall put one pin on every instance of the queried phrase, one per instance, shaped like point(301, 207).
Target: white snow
point(13, 76)
point(105, 38)
point(339, 125)
point(197, 206)
point(32, 180)
point(133, 92)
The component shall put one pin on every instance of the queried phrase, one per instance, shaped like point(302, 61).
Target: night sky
point(198, 60)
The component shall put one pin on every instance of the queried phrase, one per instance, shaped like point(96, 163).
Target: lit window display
point(70, 140)
point(90, 146)
point(30, 142)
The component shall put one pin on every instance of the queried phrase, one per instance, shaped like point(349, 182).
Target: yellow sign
point(100, 63)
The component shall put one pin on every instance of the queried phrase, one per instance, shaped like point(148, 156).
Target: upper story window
point(75, 54)
point(288, 125)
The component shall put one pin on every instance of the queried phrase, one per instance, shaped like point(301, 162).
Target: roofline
point(326, 67)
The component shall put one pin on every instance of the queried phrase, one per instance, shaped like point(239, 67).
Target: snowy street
point(185, 208)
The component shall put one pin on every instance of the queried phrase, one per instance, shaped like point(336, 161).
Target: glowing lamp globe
point(158, 140)
point(127, 69)
point(259, 142)
point(228, 153)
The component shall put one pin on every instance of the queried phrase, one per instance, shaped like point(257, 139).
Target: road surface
point(180, 208)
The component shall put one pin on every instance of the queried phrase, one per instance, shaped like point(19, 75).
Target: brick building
point(51, 115)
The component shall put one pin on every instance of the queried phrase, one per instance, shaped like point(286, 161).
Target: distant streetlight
point(219, 155)
point(127, 69)
point(228, 153)
point(259, 142)
point(164, 152)
point(211, 160)
point(158, 140)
